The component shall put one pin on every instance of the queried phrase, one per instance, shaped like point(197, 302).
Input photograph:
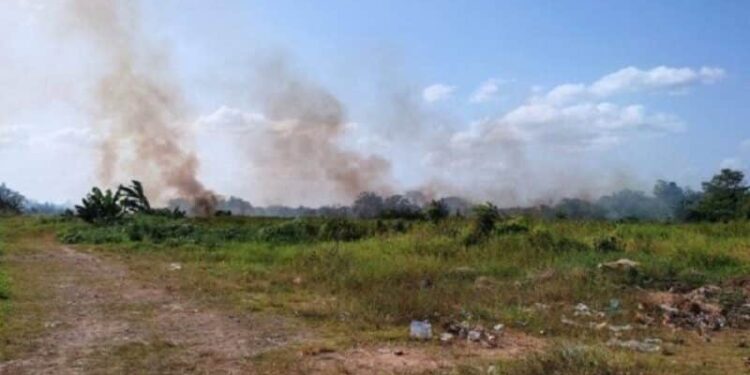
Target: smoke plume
point(138, 109)
point(298, 154)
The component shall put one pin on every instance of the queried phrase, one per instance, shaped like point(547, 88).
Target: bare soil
point(102, 320)
point(101, 317)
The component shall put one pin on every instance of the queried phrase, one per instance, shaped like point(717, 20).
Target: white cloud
point(231, 119)
point(732, 163)
point(586, 124)
point(69, 136)
point(13, 134)
point(437, 92)
point(632, 79)
point(486, 91)
point(568, 123)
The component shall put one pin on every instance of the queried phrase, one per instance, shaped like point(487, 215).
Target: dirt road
point(99, 319)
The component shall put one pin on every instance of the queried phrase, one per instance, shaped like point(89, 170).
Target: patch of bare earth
point(417, 358)
point(101, 320)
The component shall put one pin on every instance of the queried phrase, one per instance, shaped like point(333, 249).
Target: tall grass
point(4, 281)
point(391, 272)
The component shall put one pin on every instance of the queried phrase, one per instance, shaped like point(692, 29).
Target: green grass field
point(366, 280)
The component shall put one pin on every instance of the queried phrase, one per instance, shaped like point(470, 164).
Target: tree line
point(724, 197)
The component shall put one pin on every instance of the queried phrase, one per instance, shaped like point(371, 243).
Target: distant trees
point(629, 204)
point(11, 201)
point(436, 211)
point(368, 205)
point(575, 208)
point(725, 197)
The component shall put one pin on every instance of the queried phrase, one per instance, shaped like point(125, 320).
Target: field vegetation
point(365, 279)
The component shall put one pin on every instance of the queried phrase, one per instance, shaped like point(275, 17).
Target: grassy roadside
point(21, 318)
point(367, 290)
point(4, 282)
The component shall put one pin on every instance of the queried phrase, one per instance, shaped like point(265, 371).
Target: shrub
point(11, 202)
point(436, 211)
point(101, 207)
point(485, 216)
point(294, 231)
point(608, 244)
point(341, 230)
point(576, 360)
point(544, 240)
point(512, 227)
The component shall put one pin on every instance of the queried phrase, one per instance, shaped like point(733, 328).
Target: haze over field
point(278, 102)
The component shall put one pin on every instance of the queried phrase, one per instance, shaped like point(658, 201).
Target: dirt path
point(102, 320)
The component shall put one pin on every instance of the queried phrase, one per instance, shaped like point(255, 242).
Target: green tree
point(11, 202)
point(436, 211)
point(725, 197)
point(671, 196)
point(484, 218)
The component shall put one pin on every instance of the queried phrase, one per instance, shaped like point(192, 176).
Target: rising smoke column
point(138, 109)
point(298, 156)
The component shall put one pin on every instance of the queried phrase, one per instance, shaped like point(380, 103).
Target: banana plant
point(101, 207)
point(134, 198)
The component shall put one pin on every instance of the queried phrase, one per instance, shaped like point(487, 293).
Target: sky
point(513, 101)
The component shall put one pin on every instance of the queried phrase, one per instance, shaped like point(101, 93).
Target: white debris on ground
point(420, 330)
point(174, 266)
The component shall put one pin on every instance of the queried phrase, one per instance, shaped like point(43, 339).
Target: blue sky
point(681, 122)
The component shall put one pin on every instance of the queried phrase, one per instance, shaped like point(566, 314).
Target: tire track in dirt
point(102, 320)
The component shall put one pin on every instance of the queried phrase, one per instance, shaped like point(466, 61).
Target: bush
point(11, 202)
point(544, 240)
point(295, 231)
point(608, 244)
point(485, 216)
point(512, 227)
point(341, 230)
point(101, 207)
point(436, 211)
point(576, 360)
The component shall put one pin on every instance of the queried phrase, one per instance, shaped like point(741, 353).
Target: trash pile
point(475, 334)
point(648, 345)
point(705, 309)
point(459, 331)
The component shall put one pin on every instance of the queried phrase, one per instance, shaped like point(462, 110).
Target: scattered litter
point(582, 310)
point(541, 306)
point(174, 266)
point(620, 265)
point(446, 337)
point(646, 346)
point(474, 334)
point(614, 306)
point(618, 329)
point(420, 330)
point(569, 322)
point(700, 309)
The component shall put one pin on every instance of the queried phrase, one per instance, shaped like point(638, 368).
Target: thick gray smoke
point(138, 108)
